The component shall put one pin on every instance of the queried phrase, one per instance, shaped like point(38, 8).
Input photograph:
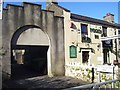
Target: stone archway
point(32, 15)
point(30, 52)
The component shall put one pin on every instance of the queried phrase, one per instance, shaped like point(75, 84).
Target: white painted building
point(84, 45)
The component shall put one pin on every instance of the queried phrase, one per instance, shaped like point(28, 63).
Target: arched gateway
point(32, 37)
point(30, 52)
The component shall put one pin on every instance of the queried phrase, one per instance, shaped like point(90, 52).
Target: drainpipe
point(93, 75)
point(116, 49)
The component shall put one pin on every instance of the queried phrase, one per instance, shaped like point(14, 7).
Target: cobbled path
point(60, 82)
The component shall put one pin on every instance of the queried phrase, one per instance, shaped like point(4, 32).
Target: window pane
point(118, 32)
point(84, 29)
point(96, 36)
point(104, 31)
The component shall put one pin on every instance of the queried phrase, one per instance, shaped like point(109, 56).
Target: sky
point(91, 9)
point(119, 12)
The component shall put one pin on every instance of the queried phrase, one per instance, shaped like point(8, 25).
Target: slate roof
point(93, 20)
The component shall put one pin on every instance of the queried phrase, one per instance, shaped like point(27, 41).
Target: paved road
point(44, 82)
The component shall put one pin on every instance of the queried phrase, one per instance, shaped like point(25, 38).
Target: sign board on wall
point(95, 27)
point(73, 51)
point(107, 43)
point(105, 68)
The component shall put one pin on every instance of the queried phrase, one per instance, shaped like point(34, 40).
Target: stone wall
point(32, 16)
point(84, 72)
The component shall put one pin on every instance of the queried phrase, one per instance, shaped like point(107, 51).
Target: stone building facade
point(73, 41)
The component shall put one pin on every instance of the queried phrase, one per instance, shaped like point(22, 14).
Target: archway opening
point(29, 53)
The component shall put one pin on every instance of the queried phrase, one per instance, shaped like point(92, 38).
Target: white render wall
point(73, 37)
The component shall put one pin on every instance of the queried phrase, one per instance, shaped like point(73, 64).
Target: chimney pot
point(109, 18)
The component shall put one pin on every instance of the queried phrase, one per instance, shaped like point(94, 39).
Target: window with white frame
point(84, 29)
point(104, 31)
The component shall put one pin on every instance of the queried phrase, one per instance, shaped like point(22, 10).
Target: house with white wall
point(84, 48)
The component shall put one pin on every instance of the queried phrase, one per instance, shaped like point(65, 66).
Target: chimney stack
point(109, 18)
point(49, 2)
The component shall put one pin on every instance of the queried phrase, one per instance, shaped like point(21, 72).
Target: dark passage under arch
point(34, 61)
point(29, 47)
